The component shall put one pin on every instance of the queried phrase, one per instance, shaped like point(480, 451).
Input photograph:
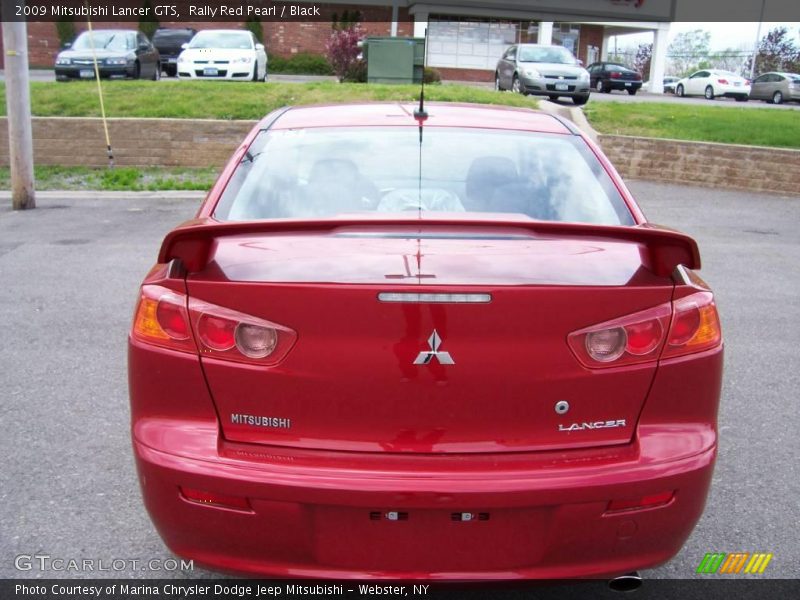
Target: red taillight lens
point(695, 325)
point(724, 81)
point(215, 499)
point(650, 501)
point(627, 340)
point(688, 325)
point(232, 335)
point(216, 333)
point(615, 75)
point(162, 319)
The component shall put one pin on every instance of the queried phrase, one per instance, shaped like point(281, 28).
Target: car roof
point(402, 114)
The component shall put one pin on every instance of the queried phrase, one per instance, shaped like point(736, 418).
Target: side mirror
point(184, 46)
point(579, 62)
point(66, 45)
point(144, 46)
point(259, 46)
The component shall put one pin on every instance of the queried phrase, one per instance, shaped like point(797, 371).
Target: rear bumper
point(621, 84)
point(324, 514)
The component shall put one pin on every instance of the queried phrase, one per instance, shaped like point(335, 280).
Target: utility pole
point(18, 104)
point(758, 39)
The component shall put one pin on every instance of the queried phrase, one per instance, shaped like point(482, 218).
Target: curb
point(101, 195)
point(571, 113)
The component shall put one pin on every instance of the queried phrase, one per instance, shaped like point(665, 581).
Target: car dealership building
point(466, 37)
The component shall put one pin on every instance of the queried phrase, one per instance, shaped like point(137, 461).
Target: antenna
point(421, 114)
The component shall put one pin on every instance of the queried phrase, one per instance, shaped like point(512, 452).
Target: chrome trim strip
point(434, 298)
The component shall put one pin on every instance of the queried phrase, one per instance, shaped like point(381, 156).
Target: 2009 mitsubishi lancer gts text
point(441, 343)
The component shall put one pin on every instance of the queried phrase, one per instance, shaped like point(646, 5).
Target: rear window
point(329, 172)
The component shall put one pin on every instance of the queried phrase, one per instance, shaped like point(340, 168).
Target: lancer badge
point(434, 342)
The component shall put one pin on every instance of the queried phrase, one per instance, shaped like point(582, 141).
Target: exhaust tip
point(630, 582)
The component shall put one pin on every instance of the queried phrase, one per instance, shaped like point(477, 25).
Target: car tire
point(171, 71)
point(157, 73)
point(599, 86)
point(552, 98)
point(497, 87)
point(777, 98)
point(516, 86)
point(137, 71)
point(679, 91)
point(632, 92)
point(709, 93)
point(580, 100)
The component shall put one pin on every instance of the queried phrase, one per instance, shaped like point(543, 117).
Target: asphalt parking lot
point(70, 271)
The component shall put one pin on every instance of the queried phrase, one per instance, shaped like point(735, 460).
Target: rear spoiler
point(191, 242)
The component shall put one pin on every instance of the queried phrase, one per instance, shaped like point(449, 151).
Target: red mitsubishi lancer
point(441, 344)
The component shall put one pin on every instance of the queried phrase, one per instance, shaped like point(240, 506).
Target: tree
point(776, 52)
point(641, 63)
point(65, 28)
point(342, 52)
point(688, 51)
point(253, 24)
point(730, 59)
point(148, 24)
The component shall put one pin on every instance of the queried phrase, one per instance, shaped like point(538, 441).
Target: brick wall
point(701, 163)
point(136, 142)
point(209, 143)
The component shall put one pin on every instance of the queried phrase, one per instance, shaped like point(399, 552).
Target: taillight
point(163, 319)
point(688, 325)
point(628, 340)
point(232, 335)
point(723, 81)
point(615, 75)
point(695, 325)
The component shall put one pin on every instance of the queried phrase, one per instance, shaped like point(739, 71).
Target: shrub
point(253, 24)
point(431, 75)
point(342, 51)
point(304, 63)
point(65, 28)
point(357, 72)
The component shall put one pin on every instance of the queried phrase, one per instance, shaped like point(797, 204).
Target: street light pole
point(18, 104)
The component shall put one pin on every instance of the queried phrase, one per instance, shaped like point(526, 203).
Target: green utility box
point(394, 59)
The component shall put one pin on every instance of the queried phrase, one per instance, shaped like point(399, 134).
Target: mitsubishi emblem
point(425, 357)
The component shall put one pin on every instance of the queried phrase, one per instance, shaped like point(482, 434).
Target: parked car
point(669, 84)
point(607, 76)
point(712, 83)
point(348, 365)
point(776, 88)
point(169, 41)
point(232, 54)
point(542, 70)
point(121, 53)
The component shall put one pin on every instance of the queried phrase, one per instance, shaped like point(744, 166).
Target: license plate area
point(210, 72)
point(86, 73)
point(562, 87)
point(627, 84)
point(429, 539)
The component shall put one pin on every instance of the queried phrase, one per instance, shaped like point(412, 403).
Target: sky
point(723, 35)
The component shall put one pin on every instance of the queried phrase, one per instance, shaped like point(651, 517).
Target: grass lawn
point(751, 126)
point(139, 179)
point(229, 100)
